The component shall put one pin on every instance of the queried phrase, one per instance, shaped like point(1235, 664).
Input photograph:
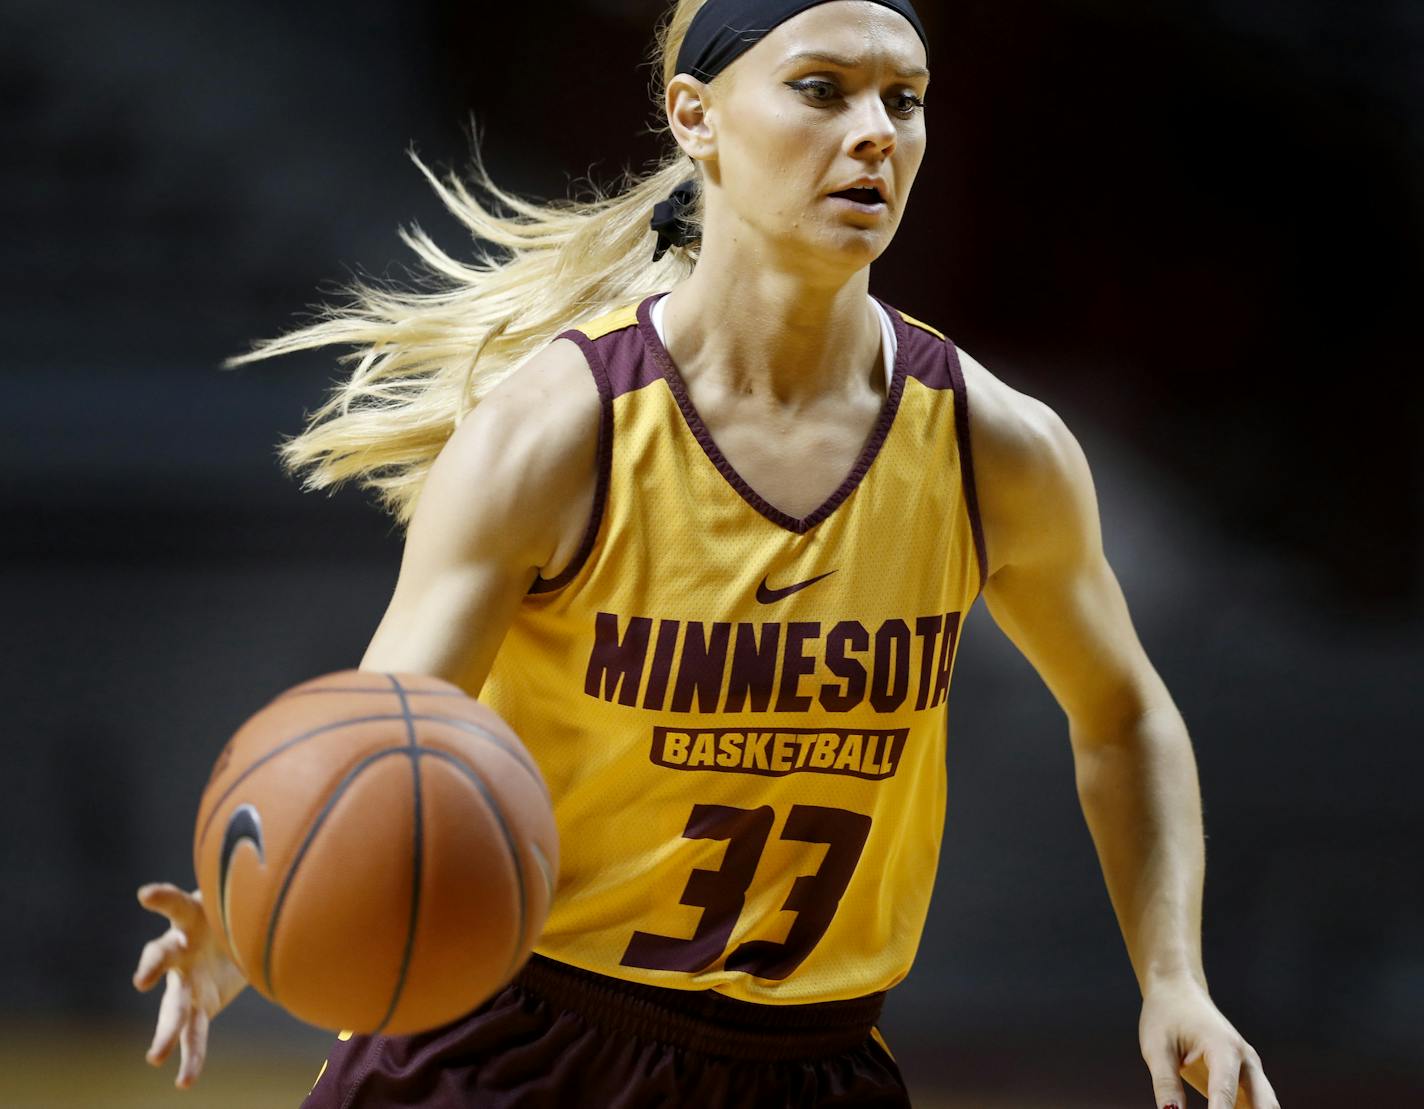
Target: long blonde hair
point(423, 359)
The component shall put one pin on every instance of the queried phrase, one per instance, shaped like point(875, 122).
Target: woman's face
point(831, 96)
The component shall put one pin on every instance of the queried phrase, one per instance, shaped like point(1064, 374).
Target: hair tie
point(671, 218)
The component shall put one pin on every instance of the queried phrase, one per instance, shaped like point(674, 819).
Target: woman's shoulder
point(551, 396)
point(1024, 456)
point(525, 459)
point(1011, 422)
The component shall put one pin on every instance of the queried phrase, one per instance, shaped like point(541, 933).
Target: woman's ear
point(688, 102)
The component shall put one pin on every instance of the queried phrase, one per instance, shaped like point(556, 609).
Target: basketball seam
point(272, 754)
point(307, 840)
point(464, 725)
point(350, 689)
point(471, 773)
point(320, 819)
point(498, 741)
point(417, 860)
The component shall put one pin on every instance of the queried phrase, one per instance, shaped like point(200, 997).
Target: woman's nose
point(871, 126)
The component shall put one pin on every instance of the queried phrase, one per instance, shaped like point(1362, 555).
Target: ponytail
point(421, 360)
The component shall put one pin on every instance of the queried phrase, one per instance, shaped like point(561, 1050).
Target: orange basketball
point(378, 850)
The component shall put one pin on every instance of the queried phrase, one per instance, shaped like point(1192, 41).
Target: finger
point(177, 905)
point(1262, 1096)
point(1223, 1076)
point(1162, 1062)
point(158, 957)
point(193, 1044)
point(171, 1014)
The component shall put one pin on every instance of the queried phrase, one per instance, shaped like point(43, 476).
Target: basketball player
point(709, 553)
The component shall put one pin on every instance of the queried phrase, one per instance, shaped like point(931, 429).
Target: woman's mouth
point(863, 200)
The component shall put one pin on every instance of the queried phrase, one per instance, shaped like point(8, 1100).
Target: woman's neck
point(762, 331)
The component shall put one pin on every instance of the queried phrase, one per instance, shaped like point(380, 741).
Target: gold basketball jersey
point(741, 714)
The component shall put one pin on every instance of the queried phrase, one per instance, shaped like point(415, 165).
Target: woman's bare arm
point(508, 497)
point(1053, 593)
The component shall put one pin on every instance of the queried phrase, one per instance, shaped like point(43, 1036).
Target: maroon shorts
point(561, 1036)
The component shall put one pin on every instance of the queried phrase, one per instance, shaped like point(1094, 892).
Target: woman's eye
point(815, 86)
point(905, 105)
point(908, 104)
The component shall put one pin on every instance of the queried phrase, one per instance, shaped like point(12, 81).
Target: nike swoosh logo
point(766, 595)
point(244, 824)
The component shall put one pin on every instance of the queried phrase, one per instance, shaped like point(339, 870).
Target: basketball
point(378, 851)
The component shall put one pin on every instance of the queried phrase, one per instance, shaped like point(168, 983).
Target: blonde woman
point(701, 518)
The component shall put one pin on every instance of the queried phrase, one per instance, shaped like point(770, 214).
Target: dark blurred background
point(1194, 229)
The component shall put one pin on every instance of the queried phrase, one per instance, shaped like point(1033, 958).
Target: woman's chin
point(857, 246)
point(839, 247)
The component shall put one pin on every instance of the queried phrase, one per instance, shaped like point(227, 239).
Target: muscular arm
point(1054, 595)
point(508, 497)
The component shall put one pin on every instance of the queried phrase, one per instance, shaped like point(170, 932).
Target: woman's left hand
point(1184, 1035)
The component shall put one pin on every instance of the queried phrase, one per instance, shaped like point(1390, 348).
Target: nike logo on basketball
point(766, 595)
point(243, 824)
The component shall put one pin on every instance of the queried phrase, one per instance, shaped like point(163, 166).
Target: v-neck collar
point(699, 431)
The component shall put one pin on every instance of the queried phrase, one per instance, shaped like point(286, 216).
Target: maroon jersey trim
point(966, 458)
point(927, 367)
point(605, 464)
point(700, 433)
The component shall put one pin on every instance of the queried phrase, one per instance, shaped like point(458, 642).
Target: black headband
point(723, 30)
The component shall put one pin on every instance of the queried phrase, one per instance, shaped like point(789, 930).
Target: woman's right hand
point(202, 978)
